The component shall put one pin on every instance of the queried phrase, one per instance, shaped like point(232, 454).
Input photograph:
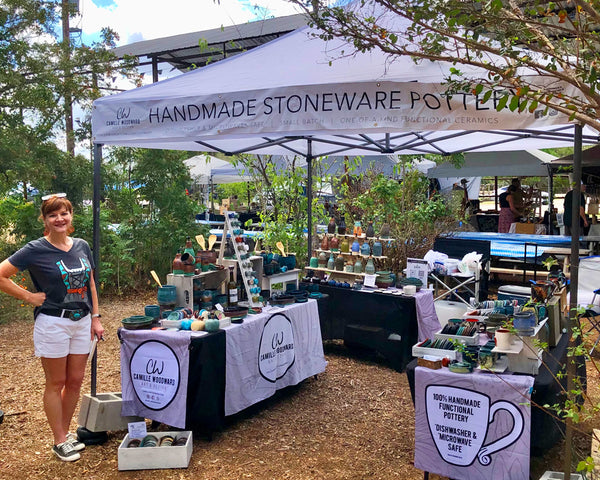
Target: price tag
point(137, 429)
point(369, 280)
point(417, 268)
point(219, 307)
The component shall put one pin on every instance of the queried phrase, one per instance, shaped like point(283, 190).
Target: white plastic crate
point(150, 458)
point(434, 352)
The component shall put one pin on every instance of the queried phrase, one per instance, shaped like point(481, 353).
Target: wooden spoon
point(211, 241)
point(155, 277)
point(281, 249)
point(200, 240)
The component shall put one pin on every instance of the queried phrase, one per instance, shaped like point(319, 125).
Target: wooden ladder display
point(242, 256)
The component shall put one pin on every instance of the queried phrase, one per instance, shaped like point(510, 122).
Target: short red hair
point(52, 205)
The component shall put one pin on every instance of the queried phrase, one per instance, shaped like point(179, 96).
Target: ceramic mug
point(503, 338)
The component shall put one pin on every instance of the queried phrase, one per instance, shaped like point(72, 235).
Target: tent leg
point(96, 241)
point(571, 369)
point(309, 196)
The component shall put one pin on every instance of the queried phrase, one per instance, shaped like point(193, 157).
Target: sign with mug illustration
point(472, 426)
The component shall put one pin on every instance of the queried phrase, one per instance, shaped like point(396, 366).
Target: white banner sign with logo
point(154, 373)
point(273, 350)
point(472, 426)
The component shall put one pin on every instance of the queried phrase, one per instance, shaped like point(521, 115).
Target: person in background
point(66, 314)
point(508, 210)
point(568, 206)
point(518, 195)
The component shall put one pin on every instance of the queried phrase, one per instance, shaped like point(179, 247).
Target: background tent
point(206, 169)
point(519, 163)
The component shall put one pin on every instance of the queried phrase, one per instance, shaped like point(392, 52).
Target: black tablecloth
point(546, 431)
point(385, 323)
point(206, 383)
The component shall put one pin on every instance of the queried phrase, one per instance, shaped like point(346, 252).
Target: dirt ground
point(353, 422)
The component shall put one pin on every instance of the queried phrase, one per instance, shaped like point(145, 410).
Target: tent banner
point(472, 426)
point(306, 109)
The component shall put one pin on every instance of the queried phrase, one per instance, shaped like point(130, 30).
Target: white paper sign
point(369, 280)
point(137, 429)
point(417, 268)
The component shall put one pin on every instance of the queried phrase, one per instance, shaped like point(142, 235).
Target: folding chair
point(593, 315)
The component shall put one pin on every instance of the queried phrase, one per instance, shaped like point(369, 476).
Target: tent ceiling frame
point(390, 144)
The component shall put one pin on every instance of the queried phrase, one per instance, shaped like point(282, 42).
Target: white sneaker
point(66, 452)
point(73, 440)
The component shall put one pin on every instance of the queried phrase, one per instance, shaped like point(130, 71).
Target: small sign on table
point(417, 268)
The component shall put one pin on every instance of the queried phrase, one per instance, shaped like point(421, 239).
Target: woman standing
point(66, 314)
point(508, 210)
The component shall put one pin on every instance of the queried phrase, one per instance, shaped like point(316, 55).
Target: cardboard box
point(150, 458)
point(528, 228)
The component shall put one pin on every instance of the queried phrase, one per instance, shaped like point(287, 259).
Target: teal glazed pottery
point(377, 248)
point(365, 249)
point(331, 262)
point(358, 266)
point(370, 267)
point(211, 324)
point(167, 295)
point(314, 262)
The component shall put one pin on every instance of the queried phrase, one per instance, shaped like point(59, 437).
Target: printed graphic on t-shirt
point(75, 279)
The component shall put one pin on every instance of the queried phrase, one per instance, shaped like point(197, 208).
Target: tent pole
point(309, 193)
point(212, 197)
point(96, 242)
point(574, 270)
point(550, 199)
point(496, 193)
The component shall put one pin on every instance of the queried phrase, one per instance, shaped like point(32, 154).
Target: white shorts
point(57, 337)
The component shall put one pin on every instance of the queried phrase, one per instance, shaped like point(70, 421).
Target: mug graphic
point(459, 420)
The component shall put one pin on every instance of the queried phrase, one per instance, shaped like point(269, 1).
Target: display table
point(546, 430)
point(230, 369)
point(386, 323)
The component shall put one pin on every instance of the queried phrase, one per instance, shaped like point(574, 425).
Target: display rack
point(241, 254)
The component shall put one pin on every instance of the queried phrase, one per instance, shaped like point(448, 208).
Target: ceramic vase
point(322, 262)
point(314, 261)
point(331, 262)
point(358, 266)
point(357, 230)
point(385, 230)
point(325, 243)
point(345, 245)
point(334, 243)
point(177, 264)
point(331, 225)
point(370, 230)
point(370, 266)
point(342, 226)
point(377, 248)
point(365, 249)
point(355, 245)
point(339, 263)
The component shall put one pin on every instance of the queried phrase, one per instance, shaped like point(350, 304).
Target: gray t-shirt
point(63, 276)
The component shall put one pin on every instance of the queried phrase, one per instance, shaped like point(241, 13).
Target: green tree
point(528, 49)
point(35, 79)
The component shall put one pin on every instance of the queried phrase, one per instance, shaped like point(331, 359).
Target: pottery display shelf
point(360, 237)
point(354, 254)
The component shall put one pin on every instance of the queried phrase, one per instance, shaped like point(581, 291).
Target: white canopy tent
point(302, 95)
point(206, 169)
point(519, 163)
